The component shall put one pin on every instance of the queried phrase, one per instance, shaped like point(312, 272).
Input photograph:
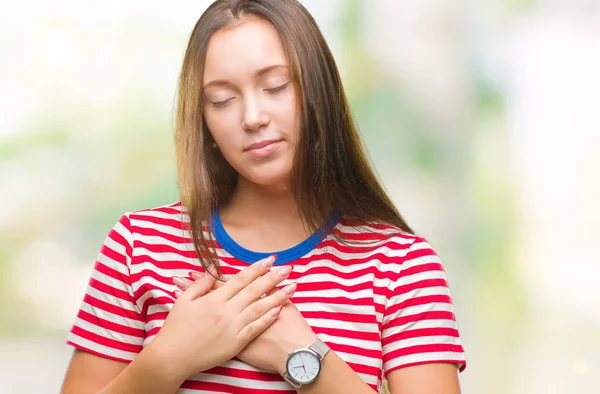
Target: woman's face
point(250, 103)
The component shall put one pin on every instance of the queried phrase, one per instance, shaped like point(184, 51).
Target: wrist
point(165, 363)
point(287, 347)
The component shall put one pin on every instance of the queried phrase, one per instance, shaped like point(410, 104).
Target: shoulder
point(165, 219)
point(381, 237)
point(160, 214)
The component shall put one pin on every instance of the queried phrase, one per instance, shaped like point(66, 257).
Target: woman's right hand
point(206, 328)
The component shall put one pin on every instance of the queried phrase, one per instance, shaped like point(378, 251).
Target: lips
point(262, 144)
point(263, 149)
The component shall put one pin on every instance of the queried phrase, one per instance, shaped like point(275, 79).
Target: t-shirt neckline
point(283, 256)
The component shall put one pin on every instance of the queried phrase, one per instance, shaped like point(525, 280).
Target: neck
point(253, 204)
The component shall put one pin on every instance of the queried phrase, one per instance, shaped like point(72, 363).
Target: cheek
point(220, 127)
point(289, 117)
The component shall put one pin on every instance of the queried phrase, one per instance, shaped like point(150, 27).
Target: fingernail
point(284, 271)
point(178, 293)
point(268, 262)
point(275, 311)
point(290, 289)
point(179, 282)
point(196, 275)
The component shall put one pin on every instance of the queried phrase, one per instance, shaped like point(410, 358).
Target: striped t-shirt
point(380, 305)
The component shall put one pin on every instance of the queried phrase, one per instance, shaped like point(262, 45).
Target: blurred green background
point(481, 118)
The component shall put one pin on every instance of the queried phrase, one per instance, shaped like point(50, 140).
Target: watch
point(304, 365)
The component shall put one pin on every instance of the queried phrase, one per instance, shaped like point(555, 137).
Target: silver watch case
point(319, 349)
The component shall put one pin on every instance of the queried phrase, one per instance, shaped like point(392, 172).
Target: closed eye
point(218, 104)
point(278, 88)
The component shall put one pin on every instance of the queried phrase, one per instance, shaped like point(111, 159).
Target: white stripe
point(112, 282)
point(167, 274)
point(325, 323)
point(112, 300)
point(359, 359)
point(142, 254)
point(422, 357)
point(432, 307)
point(109, 334)
point(336, 308)
point(117, 246)
point(240, 382)
point(417, 341)
point(359, 343)
point(157, 240)
point(111, 317)
point(113, 264)
point(148, 215)
point(101, 349)
point(163, 229)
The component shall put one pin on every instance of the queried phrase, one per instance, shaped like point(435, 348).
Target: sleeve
point(109, 323)
point(419, 325)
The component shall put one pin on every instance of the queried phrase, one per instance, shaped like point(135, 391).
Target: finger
point(244, 278)
point(257, 327)
point(181, 283)
point(219, 283)
point(257, 309)
point(198, 288)
point(259, 287)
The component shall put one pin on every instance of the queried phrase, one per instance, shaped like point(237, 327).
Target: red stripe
point(163, 248)
point(346, 317)
point(462, 364)
point(97, 353)
point(174, 209)
point(104, 341)
point(121, 329)
point(161, 301)
point(334, 301)
point(95, 303)
point(418, 333)
point(376, 354)
point(419, 349)
point(362, 248)
point(110, 272)
point(222, 387)
point(245, 374)
point(111, 291)
point(422, 284)
point(425, 300)
point(351, 334)
point(416, 253)
point(429, 315)
point(419, 269)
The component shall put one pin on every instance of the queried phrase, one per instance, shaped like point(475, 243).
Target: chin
point(272, 182)
point(269, 179)
point(271, 174)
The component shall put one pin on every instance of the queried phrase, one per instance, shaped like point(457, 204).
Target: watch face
point(303, 366)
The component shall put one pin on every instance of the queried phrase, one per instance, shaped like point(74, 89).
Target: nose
point(254, 117)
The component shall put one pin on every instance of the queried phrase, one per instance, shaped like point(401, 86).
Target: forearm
point(148, 373)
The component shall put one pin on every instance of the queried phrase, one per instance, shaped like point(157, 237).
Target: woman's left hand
point(270, 349)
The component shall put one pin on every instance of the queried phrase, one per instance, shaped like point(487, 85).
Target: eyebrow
point(262, 71)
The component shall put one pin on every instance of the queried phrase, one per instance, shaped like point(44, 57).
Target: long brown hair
point(331, 170)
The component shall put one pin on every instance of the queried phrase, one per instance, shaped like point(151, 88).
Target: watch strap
point(320, 348)
point(290, 381)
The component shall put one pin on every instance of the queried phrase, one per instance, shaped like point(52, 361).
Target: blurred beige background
point(482, 119)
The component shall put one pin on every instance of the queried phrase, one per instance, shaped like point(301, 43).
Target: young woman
point(285, 267)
